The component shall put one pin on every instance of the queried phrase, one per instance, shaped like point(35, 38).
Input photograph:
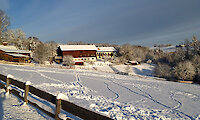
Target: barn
point(84, 53)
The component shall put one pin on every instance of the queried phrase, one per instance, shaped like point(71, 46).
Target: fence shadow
point(144, 72)
point(2, 98)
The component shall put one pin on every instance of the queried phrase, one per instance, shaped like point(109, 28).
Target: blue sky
point(139, 22)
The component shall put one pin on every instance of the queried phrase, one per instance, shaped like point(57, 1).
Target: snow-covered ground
point(117, 96)
point(13, 108)
point(140, 70)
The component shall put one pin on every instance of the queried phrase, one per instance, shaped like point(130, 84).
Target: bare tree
point(4, 23)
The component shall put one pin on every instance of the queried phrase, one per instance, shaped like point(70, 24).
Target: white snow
point(140, 70)
point(12, 49)
point(9, 88)
point(62, 97)
point(106, 49)
point(13, 108)
point(77, 47)
point(17, 55)
point(166, 49)
point(10, 76)
point(63, 116)
point(28, 83)
point(135, 96)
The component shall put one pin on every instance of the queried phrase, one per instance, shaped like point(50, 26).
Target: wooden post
point(58, 105)
point(58, 109)
point(28, 83)
point(8, 82)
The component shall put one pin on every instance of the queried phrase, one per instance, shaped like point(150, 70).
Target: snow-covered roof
point(77, 47)
point(106, 49)
point(166, 49)
point(16, 51)
point(7, 47)
point(18, 55)
point(12, 49)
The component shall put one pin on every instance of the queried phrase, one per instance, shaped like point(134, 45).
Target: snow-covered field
point(117, 96)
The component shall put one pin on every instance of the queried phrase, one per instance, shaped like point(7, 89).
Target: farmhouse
point(80, 53)
point(103, 52)
point(12, 54)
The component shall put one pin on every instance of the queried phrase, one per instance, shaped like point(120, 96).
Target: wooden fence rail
point(65, 105)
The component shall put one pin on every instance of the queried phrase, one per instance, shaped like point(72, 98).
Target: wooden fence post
point(58, 105)
point(58, 109)
point(8, 83)
point(28, 83)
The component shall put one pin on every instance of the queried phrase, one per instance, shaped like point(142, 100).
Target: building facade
point(80, 53)
point(105, 52)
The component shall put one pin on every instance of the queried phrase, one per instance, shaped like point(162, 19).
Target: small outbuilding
point(17, 58)
point(12, 54)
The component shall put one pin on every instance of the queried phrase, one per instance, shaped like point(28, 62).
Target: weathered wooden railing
point(60, 104)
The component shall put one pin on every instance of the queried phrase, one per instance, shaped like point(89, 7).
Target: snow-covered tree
point(40, 53)
point(68, 60)
point(131, 52)
point(33, 42)
point(52, 47)
point(163, 70)
point(185, 70)
point(196, 64)
point(4, 23)
point(17, 38)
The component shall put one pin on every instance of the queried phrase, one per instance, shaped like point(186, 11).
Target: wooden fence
point(60, 104)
